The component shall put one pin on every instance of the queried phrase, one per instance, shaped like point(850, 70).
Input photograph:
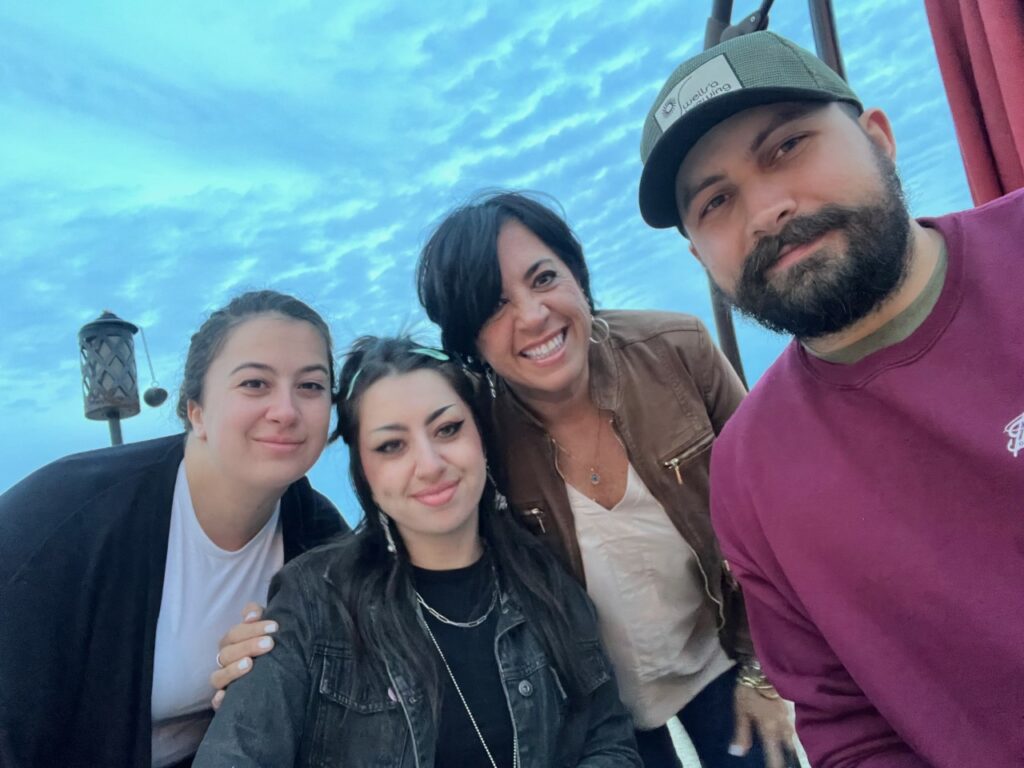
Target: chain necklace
point(458, 690)
point(595, 473)
point(463, 624)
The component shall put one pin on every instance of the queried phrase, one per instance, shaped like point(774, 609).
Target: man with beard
point(869, 492)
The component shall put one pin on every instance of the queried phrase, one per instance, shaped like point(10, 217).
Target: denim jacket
point(297, 706)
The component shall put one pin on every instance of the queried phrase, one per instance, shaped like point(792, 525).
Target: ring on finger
point(220, 663)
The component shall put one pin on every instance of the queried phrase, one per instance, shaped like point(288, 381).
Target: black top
point(464, 594)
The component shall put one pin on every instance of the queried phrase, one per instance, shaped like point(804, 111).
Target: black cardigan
point(83, 543)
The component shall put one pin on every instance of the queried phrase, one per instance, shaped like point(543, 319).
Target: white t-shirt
point(646, 584)
point(205, 589)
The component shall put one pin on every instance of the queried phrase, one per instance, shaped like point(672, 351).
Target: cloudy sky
point(158, 158)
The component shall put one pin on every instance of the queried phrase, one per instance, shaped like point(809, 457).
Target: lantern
point(109, 379)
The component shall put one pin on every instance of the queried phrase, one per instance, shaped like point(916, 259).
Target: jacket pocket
point(337, 676)
point(676, 460)
point(354, 716)
point(575, 722)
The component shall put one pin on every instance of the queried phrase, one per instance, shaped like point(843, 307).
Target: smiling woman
point(121, 569)
point(440, 633)
point(425, 464)
point(260, 419)
point(604, 422)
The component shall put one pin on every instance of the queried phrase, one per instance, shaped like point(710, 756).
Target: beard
point(828, 291)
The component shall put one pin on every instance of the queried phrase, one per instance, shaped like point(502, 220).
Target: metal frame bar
point(826, 40)
point(718, 22)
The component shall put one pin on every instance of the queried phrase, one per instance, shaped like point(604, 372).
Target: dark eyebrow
point(689, 193)
point(257, 366)
point(787, 114)
point(535, 266)
point(270, 369)
point(437, 413)
point(399, 428)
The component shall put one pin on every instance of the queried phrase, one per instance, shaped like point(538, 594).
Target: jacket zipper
point(535, 514)
point(707, 588)
point(408, 719)
point(675, 463)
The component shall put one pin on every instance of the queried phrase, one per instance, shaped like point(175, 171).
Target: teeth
point(546, 349)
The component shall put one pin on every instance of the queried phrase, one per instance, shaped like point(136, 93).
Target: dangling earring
point(500, 502)
point(599, 322)
point(491, 381)
point(385, 521)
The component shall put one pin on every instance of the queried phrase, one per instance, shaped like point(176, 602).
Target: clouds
point(160, 158)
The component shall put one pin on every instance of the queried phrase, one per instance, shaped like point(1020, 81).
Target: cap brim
point(658, 179)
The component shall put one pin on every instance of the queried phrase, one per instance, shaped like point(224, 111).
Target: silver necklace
point(463, 624)
point(458, 690)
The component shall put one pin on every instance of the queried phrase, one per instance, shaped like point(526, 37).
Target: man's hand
point(771, 719)
point(238, 647)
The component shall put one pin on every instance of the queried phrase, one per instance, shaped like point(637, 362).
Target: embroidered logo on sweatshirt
point(1015, 429)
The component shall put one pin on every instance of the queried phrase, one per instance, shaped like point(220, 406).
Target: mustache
point(797, 231)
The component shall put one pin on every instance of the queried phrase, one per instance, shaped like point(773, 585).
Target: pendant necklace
point(594, 475)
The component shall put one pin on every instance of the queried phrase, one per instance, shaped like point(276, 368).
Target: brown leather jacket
point(670, 391)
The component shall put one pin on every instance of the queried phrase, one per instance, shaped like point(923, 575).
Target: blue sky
point(159, 158)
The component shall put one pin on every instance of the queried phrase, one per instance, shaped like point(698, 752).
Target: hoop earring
point(385, 521)
point(599, 322)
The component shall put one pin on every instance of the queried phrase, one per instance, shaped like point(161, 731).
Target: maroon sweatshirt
point(874, 515)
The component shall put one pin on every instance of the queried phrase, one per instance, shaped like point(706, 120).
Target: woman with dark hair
point(604, 422)
point(440, 633)
point(121, 568)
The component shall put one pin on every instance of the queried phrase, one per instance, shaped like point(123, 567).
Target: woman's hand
point(770, 716)
point(238, 647)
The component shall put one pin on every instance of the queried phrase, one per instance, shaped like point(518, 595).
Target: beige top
point(645, 582)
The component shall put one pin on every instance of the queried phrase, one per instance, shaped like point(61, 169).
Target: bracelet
point(752, 676)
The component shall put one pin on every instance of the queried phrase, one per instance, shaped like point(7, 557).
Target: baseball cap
point(747, 71)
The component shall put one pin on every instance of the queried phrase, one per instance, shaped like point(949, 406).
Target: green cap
point(747, 71)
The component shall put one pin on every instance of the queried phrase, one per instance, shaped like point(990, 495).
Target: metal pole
point(727, 341)
point(114, 422)
point(826, 41)
point(721, 16)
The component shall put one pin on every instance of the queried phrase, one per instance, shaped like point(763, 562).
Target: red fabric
point(980, 46)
